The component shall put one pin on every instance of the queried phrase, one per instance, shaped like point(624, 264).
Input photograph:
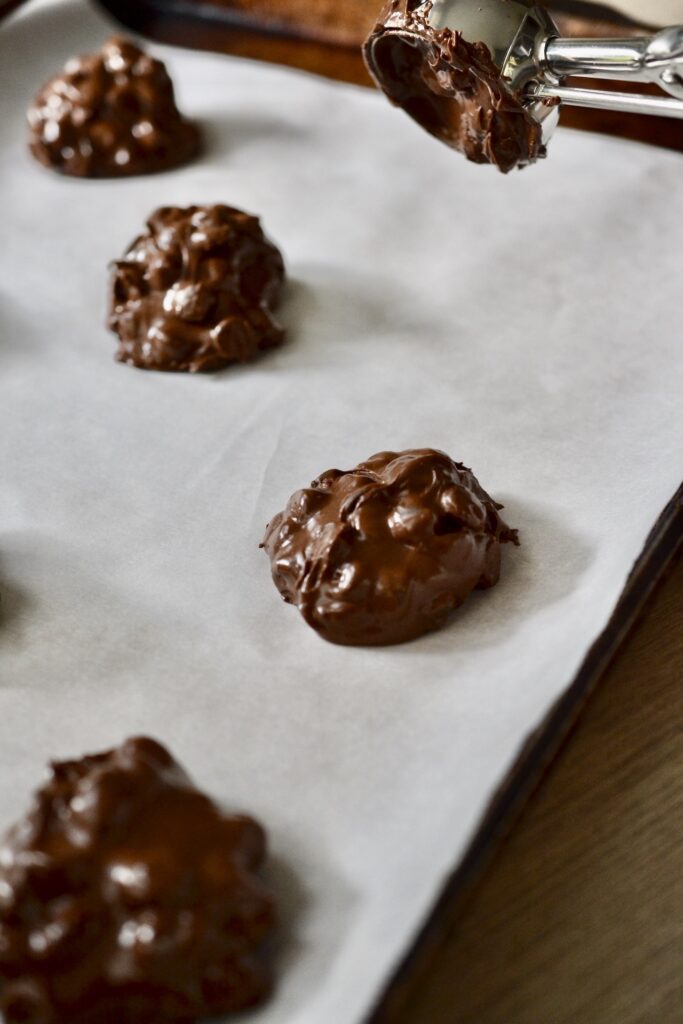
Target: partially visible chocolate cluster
point(127, 897)
point(196, 291)
point(385, 552)
point(110, 114)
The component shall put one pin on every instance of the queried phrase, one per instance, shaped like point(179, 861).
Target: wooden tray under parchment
point(288, 41)
point(325, 38)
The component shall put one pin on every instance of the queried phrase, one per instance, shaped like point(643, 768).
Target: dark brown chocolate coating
point(196, 291)
point(385, 552)
point(127, 897)
point(109, 115)
point(452, 88)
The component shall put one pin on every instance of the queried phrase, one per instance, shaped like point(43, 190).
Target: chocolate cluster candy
point(126, 896)
point(110, 114)
point(452, 87)
point(385, 552)
point(196, 291)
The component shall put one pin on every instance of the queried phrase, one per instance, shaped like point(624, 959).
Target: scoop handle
point(604, 99)
point(657, 59)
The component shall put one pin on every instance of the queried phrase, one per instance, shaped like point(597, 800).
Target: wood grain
point(325, 38)
point(579, 920)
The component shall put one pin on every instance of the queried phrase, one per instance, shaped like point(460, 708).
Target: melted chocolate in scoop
point(128, 897)
point(385, 552)
point(451, 87)
point(109, 115)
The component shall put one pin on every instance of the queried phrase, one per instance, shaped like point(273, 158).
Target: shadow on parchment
point(330, 313)
point(76, 616)
point(294, 903)
point(15, 601)
point(356, 302)
point(224, 136)
point(13, 333)
point(547, 566)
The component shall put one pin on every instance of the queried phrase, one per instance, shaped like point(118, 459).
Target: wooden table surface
point(579, 918)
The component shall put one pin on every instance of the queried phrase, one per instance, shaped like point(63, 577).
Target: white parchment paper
point(529, 326)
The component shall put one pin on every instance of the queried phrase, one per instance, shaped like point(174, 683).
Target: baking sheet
point(527, 325)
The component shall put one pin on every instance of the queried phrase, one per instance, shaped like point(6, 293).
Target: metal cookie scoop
point(486, 76)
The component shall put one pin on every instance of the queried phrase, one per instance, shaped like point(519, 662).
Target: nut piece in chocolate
point(196, 291)
point(127, 896)
point(384, 553)
point(109, 115)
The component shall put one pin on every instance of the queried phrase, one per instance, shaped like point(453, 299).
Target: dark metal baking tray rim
point(537, 755)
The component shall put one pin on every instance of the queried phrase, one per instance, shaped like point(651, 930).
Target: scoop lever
point(657, 60)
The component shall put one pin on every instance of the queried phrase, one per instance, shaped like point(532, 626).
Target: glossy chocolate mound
point(127, 897)
point(196, 291)
point(110, 114)
point(451, 87)
point(385, 552)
